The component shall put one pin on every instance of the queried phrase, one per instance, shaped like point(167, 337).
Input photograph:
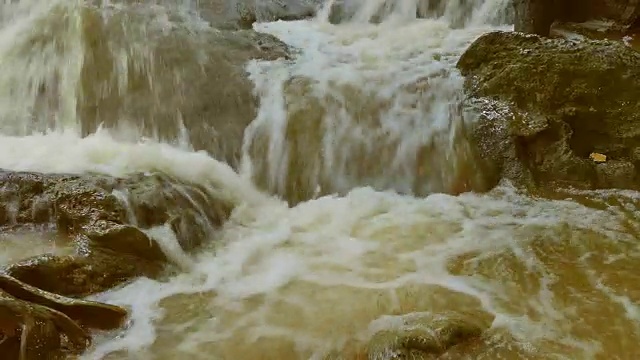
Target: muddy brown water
point(555, 279)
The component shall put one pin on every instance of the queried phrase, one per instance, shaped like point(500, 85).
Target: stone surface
point(360, 153)
point(545, 105)
point(425, 336)
point(104, 218)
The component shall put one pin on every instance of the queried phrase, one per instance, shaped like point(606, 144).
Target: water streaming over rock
point(359, 108)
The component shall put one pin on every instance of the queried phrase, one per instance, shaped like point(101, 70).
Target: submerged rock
point(104, 217)
point(348, 136)
point(419, 336)
point(424, 336)
point(545, 105)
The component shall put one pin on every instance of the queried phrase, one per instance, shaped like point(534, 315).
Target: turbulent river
point(316, 279)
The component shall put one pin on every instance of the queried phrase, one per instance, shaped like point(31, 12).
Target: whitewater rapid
point(298, 282)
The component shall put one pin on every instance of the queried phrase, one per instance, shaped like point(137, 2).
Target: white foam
point(66, 152)
point(296, 282)
point(365, 243)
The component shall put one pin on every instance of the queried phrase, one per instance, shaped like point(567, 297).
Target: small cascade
point(365, 104)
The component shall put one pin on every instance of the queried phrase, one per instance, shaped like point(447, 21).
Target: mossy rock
point(544, 105)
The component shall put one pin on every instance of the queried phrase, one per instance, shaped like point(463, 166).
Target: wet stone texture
point(544, 106)
point(537, 16)
point(104, 219)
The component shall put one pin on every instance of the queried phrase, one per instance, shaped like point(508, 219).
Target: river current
point(557, 279)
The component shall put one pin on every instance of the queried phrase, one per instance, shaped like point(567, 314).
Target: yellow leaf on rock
point(599, 158)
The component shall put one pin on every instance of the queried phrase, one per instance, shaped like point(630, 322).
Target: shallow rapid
point(342, 133)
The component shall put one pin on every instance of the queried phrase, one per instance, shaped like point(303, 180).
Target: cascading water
point(365, 104)
point(361, 107)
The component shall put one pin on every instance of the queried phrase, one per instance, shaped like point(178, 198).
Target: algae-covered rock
point(545, 105)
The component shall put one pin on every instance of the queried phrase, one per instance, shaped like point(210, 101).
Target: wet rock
point(31, 331)
point(427, 336)
point(105, 217)
point(89, 314)
point(545, 105)
point(82, 275)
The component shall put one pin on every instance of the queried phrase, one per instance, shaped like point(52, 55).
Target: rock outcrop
point(324, 156)
point(105, 218)
point(420, 336)
point(546, 105)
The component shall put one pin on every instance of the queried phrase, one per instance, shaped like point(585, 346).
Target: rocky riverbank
point(106, 219)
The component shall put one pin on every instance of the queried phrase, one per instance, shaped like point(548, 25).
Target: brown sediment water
point(363, 114)
point(17, 244)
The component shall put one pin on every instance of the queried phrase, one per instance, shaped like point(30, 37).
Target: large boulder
point(534, 16)
point(105, 218)
point(623, 12)
point(545, 107)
